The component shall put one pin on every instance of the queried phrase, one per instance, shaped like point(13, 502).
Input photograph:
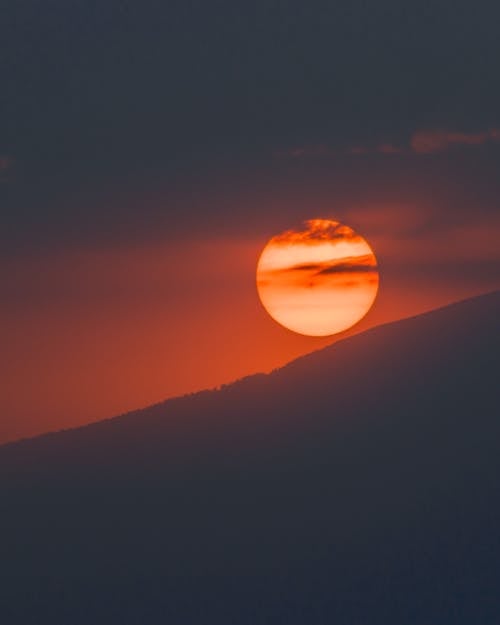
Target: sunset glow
point(317, 281)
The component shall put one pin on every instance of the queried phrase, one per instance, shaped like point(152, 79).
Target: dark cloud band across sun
point(365, 264)
point(338, 273)
point(351, 264)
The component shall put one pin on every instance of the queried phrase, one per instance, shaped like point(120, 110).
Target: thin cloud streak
point(422, 142)
point(345, 265)
point(347, 271)
point(430, 141)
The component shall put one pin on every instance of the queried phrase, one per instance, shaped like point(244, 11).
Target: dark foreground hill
point(358, 485)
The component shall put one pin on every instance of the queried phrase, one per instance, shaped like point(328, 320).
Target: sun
point(318, 280)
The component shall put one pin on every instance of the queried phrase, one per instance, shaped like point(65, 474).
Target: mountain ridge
point(356, 485)
point(297, 362)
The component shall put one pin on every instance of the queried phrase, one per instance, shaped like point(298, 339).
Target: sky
point(150, 150)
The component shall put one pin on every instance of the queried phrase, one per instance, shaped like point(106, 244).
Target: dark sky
point(107, 103)
point(149, 149)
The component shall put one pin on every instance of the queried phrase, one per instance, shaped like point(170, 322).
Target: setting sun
point(319, 280)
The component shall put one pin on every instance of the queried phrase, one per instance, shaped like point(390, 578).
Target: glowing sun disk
point(319, 280)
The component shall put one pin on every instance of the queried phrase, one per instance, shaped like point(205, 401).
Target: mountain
point(357, 485)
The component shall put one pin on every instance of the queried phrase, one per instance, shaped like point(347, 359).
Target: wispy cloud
point(429, 141)
point(349, 264)
point(424, 141)
point(348, 271)
point(317, 230)
point(363, 265)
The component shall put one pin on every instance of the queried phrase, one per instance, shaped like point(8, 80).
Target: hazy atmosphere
point(249, 312)
point(148, 151)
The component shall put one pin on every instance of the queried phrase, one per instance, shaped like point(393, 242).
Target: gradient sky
point(149, 150)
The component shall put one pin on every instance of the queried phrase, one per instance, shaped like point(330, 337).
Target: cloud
point(429, 141)
point(421, 142)
point(317, 230)
point(347, 271)
point(346, 264)
point(350, 267)
point(307, 267)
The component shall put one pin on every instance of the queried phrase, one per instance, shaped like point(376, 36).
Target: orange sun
point(319, 280)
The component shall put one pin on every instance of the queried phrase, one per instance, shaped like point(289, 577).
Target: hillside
point(358, 484)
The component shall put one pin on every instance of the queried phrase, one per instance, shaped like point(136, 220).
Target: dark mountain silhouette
point(357, 485)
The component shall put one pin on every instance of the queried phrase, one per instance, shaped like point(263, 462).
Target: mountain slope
point(356, 485)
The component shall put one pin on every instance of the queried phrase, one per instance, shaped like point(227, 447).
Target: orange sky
point(88, 334)
point(148, 154)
